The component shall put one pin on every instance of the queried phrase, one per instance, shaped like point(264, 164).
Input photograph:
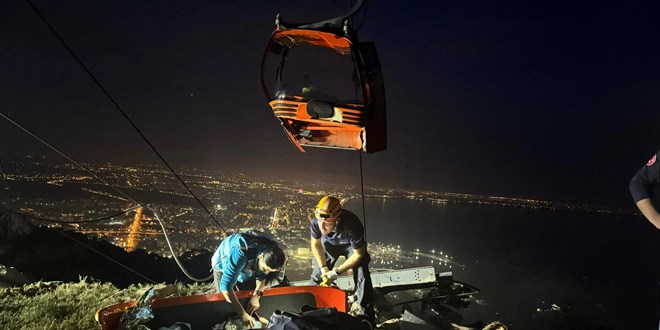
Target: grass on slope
point(57, 305)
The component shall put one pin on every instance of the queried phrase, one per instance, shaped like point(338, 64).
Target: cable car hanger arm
point(335, 23)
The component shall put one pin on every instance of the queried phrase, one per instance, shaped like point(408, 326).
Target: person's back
point(224, 251)
point(242, 258)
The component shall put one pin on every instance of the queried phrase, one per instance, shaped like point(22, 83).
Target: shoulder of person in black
point(348, 221)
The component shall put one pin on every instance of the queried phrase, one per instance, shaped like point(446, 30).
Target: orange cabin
point(326, 90)
point(205, 311)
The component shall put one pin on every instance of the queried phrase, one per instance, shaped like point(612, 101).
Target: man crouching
point(240, 258)
point(334, 233)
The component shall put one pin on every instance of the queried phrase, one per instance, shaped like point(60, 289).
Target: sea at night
point(529, 262)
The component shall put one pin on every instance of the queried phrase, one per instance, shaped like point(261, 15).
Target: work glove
point(324, 270)
point(331, 275)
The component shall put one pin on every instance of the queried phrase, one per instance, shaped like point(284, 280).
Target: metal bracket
point(391, 280)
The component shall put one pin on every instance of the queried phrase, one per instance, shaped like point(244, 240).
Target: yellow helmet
point(328, 208)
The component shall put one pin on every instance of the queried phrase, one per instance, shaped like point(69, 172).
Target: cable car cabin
point(205, 311)
point(326, 90)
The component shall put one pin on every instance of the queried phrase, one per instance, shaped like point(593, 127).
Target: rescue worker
point(334, 233)
point(242, 257)
point(641, 189)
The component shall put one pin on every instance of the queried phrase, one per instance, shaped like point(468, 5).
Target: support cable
point(79, 221)
point(178, 262)
point(88, 170)
point(105, 256)
point(364, 15)
point(160, 222)
point(124, 113)
point(364, 214)
point(67, 157)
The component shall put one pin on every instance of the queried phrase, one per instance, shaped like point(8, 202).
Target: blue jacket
point(236, 259)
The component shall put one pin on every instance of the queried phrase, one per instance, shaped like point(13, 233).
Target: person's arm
point(319, 254)
point(641, 189)
point(649, 211)
point(253, 304)
point(235, 263)
point(261, 286)
point(359, 245)
point(231, 297)
point(352, 261)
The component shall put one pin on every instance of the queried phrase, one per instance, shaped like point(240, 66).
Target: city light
point(237, 201)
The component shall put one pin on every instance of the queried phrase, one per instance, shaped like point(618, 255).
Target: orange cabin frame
point(108, 317)
point(352, 126)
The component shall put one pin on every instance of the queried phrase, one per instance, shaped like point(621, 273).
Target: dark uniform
point(347, 237)
point(641, 185)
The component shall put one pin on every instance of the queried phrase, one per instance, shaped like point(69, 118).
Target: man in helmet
point(336, 232)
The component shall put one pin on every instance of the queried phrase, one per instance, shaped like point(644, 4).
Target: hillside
point(58, 305)
point(50, 254)
point(76, 276)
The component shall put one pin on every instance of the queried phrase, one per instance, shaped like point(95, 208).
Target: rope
point(123, 112)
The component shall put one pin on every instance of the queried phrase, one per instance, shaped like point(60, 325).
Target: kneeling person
point(336, 232)
point(240, 258)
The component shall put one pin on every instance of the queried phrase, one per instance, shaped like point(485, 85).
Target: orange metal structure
point(204, 311)
point(319, 121)
point(347, 134)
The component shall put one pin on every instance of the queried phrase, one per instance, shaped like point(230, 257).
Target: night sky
point(557, 100)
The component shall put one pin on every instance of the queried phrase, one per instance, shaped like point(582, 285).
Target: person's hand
point(324, 270)
point(248, 321)
point(331, 275)
point(253, 305)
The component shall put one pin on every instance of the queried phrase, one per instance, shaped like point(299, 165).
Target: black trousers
point(364, 291)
